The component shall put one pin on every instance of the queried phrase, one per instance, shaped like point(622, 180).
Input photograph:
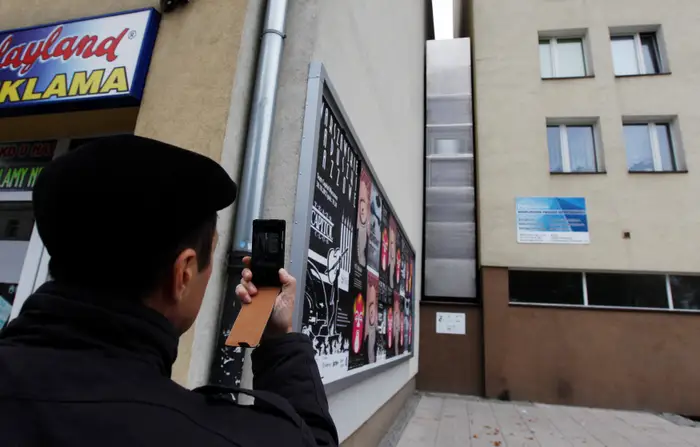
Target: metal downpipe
point(227, 364)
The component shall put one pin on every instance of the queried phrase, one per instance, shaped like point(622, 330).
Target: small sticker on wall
point(451, 323)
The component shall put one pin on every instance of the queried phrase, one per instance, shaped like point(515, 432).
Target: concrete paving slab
point(447, 420)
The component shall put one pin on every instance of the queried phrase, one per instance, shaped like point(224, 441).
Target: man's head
point(133, 219)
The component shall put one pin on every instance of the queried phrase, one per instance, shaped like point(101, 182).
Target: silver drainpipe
point(262, 115)
point(226, 365)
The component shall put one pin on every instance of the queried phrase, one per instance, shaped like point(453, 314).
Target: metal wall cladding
point(450, 237)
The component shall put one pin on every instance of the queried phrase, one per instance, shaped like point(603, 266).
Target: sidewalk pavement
point(445, 421)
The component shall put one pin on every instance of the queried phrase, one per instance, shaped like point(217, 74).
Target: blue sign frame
point(82, 64)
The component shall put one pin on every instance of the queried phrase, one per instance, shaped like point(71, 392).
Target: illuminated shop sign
point(21, 163)
point(87, 63)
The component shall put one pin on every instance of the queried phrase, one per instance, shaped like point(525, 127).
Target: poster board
point(354, 264)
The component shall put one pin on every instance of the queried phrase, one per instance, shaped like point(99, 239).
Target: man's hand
point(281, 319)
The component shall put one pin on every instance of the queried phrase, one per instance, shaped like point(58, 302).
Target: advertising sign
point(94, 62)
point(21, 163)
point(358, 276)
point(552, 220)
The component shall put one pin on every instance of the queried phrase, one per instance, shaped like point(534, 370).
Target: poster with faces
point(358, 283)
point(328, 305)
point(375, 230)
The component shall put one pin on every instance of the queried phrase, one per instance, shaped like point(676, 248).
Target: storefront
point(96, 63)
point(77, 70)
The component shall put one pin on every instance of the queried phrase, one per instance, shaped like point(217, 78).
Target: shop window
point(542, 287)
point(627, 290)
point(16, 225)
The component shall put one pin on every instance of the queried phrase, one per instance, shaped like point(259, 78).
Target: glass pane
point(450, 240)
point(454, 278)
point(545, 59)
point(685, 291)
point(16, 225)
point(624, 56)
point(668, 162)
point(458, 172)
point(638, 146)
point(651, 53)
point(581, 148)
point(570, 58)
point(449, 204)
point(554, 145)
point(545, 287)
point(449, 110)
point(448, 146)
point(626, 290)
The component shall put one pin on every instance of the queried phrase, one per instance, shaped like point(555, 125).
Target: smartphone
point(266, 260)
point(268, 252)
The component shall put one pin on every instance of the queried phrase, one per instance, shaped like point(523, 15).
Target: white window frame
point(36, 261)
point(554, 55)
point(669, 292)
point(564, 146)
point(636, 34)
point(652, 127)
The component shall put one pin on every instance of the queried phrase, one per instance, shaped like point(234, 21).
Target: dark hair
point(150, 274)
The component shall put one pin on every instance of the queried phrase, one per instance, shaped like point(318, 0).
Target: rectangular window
point(650, 147)
point(685, 291)
point(545, 287)
point(627, 290)
point(562, 58)
point(572, 148)
point(636, 54)
point(623, 290)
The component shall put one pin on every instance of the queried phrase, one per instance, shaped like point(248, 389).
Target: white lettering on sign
point(451, 323)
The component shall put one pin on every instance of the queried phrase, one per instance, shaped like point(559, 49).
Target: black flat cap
point(122, 202)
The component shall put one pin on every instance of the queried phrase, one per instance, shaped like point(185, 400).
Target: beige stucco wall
point(374, 55)
point(188, 90)
point(512, 104)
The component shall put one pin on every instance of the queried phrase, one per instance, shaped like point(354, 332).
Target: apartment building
point(585, 147)
point(587, 165)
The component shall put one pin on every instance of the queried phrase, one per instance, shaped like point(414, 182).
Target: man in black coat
point(130, 224)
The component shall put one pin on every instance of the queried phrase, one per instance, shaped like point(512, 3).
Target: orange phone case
point(250, 324)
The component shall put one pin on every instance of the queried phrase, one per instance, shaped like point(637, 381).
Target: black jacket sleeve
point(286, 366)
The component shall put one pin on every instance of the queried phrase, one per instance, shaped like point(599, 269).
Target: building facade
point(200, 75)
point(586, 157)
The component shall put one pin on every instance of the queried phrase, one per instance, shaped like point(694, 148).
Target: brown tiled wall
point(599, 358)
point(450, 363)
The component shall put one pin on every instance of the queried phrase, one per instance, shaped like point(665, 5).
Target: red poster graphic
point(371, 311)
point(397, 326)
point(385, 250)
point(390, 328)
point(358, 323)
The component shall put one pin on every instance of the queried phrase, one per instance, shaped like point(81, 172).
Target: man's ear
point(184, 269)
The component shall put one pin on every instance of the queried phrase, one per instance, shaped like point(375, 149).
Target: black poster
point(364, 282)
point(358, 307)
point(328, 307)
